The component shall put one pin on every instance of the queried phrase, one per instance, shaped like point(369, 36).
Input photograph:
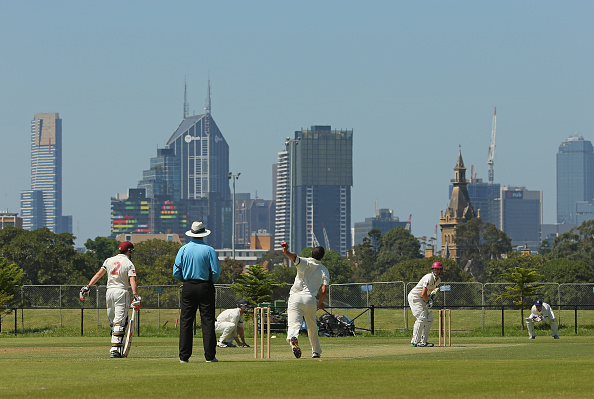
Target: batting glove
point(430, 304)
point(136, 302)
point(84, 290)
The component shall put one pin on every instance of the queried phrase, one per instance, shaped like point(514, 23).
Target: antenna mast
point(186, 105)
point(492, 148)
point(207, 108)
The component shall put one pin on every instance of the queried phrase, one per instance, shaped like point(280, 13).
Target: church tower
point(458, 212)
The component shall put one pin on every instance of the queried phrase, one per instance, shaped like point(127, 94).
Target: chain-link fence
point(42, 307)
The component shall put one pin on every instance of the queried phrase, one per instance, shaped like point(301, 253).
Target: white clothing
point(547, 315)
point(429, 281)
point(311, 275)
point(419, 309)
point(302, 307)
point(119, 268)
point(227, 323)
point(118, 302)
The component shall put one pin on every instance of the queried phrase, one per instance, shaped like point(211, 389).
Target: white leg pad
point(117, 335)
point(426, 330)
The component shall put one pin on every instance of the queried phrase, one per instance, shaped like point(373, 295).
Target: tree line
point(41, 257)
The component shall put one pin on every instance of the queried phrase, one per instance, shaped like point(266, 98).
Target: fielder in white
point(119, 269)
point(230, 324)
point(312, 277)
point(420, 303)
point(542, 311)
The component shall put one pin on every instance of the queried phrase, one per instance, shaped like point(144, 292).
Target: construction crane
point(492, 148)
point(326, 239)
point(314, 240)
point(407, 226)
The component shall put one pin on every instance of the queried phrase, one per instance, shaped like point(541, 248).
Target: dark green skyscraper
point(314, 181)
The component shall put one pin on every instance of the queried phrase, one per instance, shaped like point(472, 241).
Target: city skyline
point(415, 81)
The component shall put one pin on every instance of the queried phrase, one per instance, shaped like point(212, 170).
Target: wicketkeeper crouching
point(119, 269)
point(542, 311)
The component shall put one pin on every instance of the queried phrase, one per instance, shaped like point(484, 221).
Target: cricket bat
point(129, 334)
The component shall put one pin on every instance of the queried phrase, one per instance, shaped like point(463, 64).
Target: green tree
point(567, 271)
point(497, 267)
point(272, 259)
point(231, 269)
point(101, 248)
point(154, 261)
point(523, 288)
point(45, 257)
point(412, 270)
point(565, 246)
point(256, 285)
point(545, 248)
point(10, 279)
point(478, 243)
point(379, 253)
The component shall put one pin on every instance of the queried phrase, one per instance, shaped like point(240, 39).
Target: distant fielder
point(542, 312)
point(420, 299)
point(119, 269)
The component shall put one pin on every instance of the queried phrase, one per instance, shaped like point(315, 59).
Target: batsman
point(119, 269)
point(420, 299)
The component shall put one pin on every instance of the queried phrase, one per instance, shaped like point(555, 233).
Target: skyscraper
point(575, 177)
point(313, 194)
point(187, 181)
point(41, 206)
point(521, 216)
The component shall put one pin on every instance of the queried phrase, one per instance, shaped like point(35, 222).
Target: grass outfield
point(386, 367)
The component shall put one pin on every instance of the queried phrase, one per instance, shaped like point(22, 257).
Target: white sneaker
point(222, 345)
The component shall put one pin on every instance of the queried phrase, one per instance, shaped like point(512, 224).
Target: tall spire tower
point(459, 211)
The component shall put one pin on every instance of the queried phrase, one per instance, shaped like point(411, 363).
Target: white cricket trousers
point(303, 307)
point(424, 317)
point(227, 328)
point(118, 302)
point(554, 326)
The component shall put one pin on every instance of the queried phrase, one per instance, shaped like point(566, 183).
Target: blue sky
point(414, 80)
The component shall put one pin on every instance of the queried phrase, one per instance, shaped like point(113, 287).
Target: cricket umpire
point(197, 266)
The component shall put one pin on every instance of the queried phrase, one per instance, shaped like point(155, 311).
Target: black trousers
point(197, 295)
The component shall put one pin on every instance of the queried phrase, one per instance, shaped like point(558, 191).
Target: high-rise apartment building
point(313, 193)
point(575, 179)
point(41, 206)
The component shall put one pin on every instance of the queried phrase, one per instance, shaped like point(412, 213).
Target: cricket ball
point(284, 244)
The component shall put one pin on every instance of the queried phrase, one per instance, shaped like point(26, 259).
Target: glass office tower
point(41, 206)
point(575, 177)
point(314, 191)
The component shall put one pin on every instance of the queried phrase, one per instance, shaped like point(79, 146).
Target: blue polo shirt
point(197, 261)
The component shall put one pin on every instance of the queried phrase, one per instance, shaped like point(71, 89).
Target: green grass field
point(362, 366)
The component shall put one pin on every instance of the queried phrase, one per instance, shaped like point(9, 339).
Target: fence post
point(503, 321)
point(575, 319)
point(82, 309)
point(372, 320)
point(16, 321)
